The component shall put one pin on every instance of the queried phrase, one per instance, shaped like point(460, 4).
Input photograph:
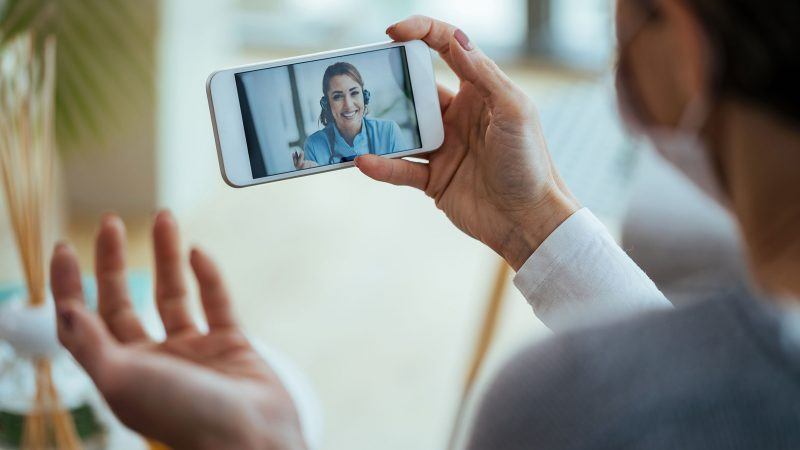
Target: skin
point(762, 167)
point(346, 99)
point(492, 177)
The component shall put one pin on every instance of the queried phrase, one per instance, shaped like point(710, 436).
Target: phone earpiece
point(366, 97)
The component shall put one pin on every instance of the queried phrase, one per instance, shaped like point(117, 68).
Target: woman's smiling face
point(346, 99)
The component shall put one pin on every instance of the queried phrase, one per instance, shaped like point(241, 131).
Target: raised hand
point(493, 176)
point(194, 390)
point(300, 162)
point(298, 158)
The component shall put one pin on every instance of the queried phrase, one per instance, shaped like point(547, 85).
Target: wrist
point(269, 421)
point(534, 226)
point(275, 424)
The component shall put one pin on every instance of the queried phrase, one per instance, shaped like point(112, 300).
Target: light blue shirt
point(377, 136)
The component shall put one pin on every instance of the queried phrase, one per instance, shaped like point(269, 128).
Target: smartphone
point(315, 113)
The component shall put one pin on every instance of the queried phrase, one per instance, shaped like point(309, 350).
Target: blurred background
point(382, 319)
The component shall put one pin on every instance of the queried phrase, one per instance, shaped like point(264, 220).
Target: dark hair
point(339, 68)
point(756, 50)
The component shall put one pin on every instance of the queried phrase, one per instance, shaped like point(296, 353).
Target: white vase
point(29, 332)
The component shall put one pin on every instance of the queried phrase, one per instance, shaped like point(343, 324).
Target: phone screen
point(327, 111)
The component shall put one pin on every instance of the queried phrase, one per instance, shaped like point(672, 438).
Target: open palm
point(192, 390)
point(492, 176)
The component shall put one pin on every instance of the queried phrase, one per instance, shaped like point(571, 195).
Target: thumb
point(399, 172)
point(86, 338)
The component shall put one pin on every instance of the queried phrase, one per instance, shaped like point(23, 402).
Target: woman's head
point(343, 98)
point(672, 51)
point(739, 59)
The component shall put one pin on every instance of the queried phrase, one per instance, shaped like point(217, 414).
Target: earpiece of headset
point(323, 102)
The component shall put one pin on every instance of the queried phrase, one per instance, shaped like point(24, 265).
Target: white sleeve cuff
point(579, 274)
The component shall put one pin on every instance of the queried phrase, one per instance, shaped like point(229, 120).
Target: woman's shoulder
point(641, 365)
point(317, 138)
point(319, 135)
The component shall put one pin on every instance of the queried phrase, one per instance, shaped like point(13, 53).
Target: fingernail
point(462, 39)
point(65, 316)
point(391, 28)
point(61, 246)
point(165, 215)
point(111, 219)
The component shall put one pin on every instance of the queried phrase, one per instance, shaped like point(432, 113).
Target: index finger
point(468, 62)
point(433, 32)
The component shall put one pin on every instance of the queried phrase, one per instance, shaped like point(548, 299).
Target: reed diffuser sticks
point(27, 92)
point(26, 151)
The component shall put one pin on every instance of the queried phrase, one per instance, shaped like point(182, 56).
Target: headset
point(326, 112)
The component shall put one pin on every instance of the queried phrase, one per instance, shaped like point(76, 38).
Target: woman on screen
point(347, 131)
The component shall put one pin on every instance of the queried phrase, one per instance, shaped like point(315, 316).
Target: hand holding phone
point(493, 175)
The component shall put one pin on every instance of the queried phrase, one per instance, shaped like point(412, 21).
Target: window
point(322, 24)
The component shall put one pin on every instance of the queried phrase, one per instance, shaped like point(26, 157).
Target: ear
point(693, 48)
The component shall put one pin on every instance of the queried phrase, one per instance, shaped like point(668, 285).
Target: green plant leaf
point(105, 69)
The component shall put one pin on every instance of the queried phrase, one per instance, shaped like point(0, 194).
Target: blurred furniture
point(592, 151)
point(538, 37)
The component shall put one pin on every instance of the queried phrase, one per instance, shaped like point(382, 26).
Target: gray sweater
point(713, 375)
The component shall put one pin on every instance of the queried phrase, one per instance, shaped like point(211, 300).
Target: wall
point(195, 41)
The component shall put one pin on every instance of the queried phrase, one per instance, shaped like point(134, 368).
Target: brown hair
point(339, 68)
point(756, 50)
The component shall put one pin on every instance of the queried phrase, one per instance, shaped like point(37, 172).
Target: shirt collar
point(361, 136)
